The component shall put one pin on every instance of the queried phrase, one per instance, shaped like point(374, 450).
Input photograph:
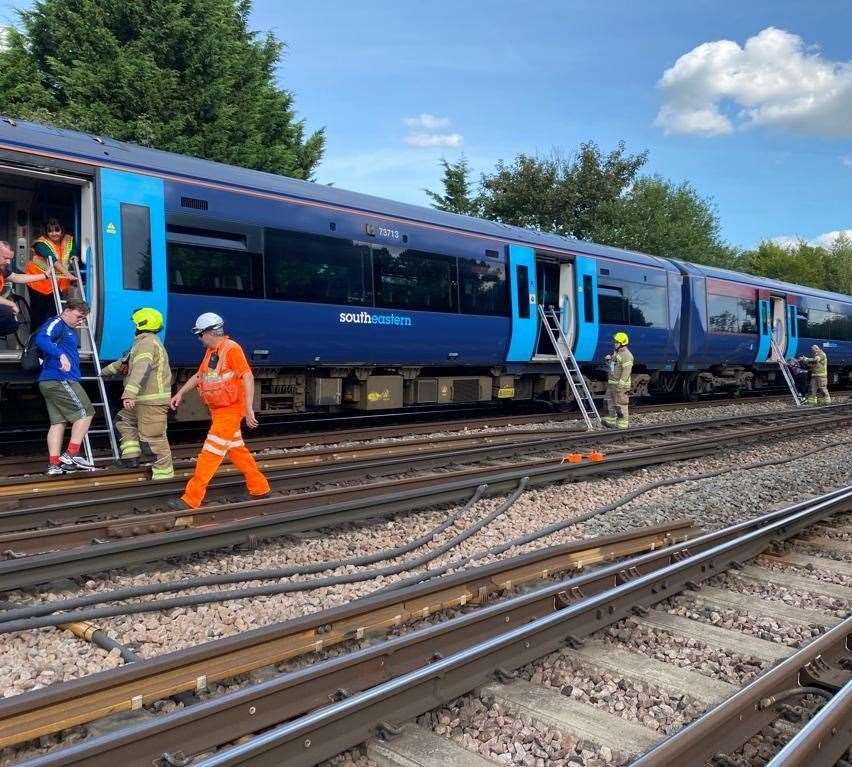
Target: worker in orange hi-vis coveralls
point(226, 385)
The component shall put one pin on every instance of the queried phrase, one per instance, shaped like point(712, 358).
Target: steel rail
point(301, 439)
point(80, 484)
point(55, 514)
point(13, 466)
point(732, 723)
point(403, 677)
point(824, 739)
point(17, 510)
point(50, 709)
point(83, 533)
point(41, 568)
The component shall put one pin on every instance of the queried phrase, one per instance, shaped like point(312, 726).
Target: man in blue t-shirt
point(59, 384)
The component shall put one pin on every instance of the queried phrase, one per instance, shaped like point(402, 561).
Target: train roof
point(764, 282)
point(103, 151)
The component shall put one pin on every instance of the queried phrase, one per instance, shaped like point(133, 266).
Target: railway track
point(106, 494)
point(38, 556)
point(305, 716)
point(25, 466)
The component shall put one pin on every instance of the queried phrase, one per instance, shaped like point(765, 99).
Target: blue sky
point(762, 123)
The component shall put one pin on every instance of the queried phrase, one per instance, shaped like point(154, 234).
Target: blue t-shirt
point(53, 338)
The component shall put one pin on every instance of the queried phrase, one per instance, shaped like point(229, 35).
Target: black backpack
point(31, 356)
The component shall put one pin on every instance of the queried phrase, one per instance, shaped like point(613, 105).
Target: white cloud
point(424, 133)
point(847, 160)
point(825, 240)
point(787, 240)
point(424, 140)
point(427, 122)
point(773, 80)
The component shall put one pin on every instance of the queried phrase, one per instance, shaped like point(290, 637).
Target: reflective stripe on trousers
point(147, 423)
point(224, 438)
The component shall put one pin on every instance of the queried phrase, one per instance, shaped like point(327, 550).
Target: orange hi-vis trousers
point(224, 438)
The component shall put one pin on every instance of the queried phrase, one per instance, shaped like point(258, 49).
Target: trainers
point(54, 469)
point(75, 463)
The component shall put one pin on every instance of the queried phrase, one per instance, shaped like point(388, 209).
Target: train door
point(547, 275)
point(133, 234)
point(566, 301)
point(779, 323)
point(587, 314)
point(764, 329)
point(525, 319)
point(792, 331)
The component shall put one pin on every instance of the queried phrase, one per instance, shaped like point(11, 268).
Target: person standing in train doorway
point(226, 385)
point(618, 382)
point(54, 248)
point(818, 364)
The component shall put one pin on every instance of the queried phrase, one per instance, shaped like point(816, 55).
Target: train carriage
point(344, 300)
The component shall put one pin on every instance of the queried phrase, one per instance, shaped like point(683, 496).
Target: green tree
point(665, 219)
point(458, 190)
point(801, 263)
point(187, 76)
point(563, 195)
point(838, 271)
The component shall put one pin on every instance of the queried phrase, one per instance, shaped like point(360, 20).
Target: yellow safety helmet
point(621, 338)
point(147, 319)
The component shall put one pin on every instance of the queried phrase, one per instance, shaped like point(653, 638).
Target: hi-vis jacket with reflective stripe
point(818, 363)
point(149, 377)
point(620, 367)
point(219, 386)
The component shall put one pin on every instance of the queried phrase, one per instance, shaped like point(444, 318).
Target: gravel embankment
point(34, 659)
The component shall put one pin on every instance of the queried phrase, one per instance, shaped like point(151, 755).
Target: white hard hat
point(208, 321)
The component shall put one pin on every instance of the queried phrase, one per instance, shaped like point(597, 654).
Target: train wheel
point(690, 387)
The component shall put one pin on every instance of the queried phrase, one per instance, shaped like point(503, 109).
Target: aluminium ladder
point(785, 371)
point(573, 374)
point(103, 404)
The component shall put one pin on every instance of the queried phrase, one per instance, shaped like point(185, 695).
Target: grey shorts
point(66, 401)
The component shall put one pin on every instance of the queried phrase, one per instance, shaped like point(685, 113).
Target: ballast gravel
point(37, 658)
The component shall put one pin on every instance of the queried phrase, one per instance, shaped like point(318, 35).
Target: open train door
point(792, 327)
point(779, 323)
point(133, 233)
point(525, 319)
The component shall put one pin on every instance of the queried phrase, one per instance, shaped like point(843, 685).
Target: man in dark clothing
point(59, 384)
point(800, 376)
point(9, 274)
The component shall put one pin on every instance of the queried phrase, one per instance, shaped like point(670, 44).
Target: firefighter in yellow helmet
point(146, 395)
point(618, 382)
point(818, 364)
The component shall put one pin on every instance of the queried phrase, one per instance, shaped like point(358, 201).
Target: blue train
point(344, 300)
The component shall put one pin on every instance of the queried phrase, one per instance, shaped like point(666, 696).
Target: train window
point(729, 314)
point(647, 305)
point(818, 324)
point(522, 290)
point(483, 288)
point(136, 246)
point(317, 269)
point(588, 298)
point(214, 272)
point(747, 315)
point(612, 305)
point(802, 329)
point(723, 314)
point(414, 279)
